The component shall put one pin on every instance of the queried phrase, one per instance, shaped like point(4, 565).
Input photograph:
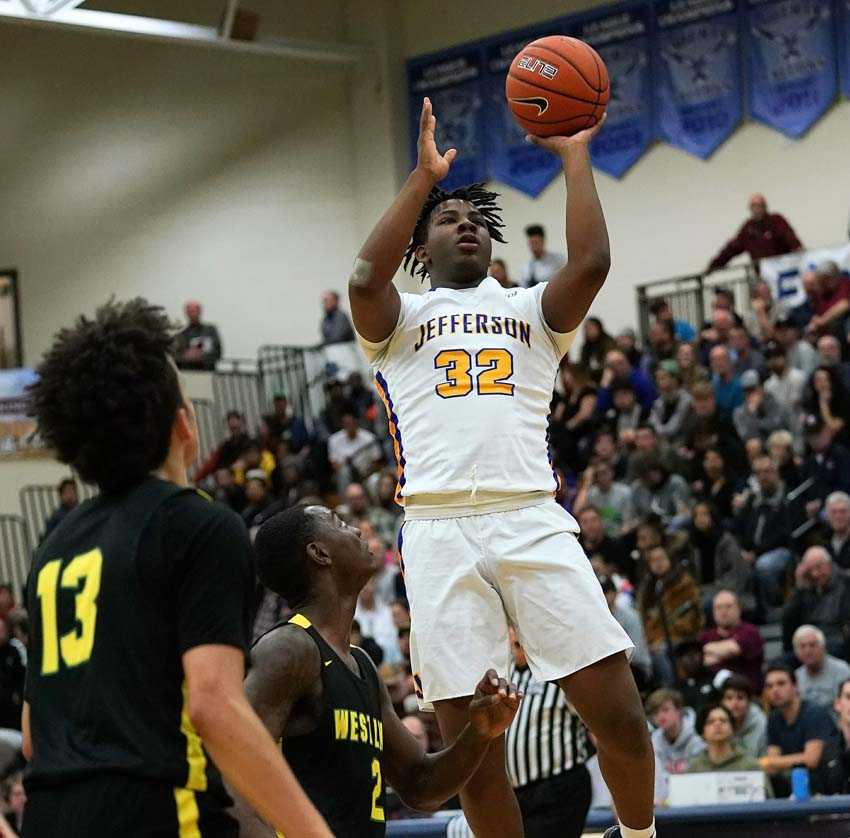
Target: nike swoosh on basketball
point(539, 102)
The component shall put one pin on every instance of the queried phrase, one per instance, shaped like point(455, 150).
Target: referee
point(547, 746)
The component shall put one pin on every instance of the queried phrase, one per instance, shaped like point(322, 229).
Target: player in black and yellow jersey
point(323, 699)
point(140, 606)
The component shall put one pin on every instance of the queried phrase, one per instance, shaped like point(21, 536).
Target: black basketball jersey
point(339, 763)
point(117, 593)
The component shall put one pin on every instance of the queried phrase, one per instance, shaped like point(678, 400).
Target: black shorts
point(109, 806)
point(557, 806)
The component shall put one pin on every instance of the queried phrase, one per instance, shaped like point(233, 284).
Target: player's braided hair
point(475, 194)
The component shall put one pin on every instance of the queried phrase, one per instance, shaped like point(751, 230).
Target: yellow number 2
point(83, 575)
point(377, 809)
point(497, 366)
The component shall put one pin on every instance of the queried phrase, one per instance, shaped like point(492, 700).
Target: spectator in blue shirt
point(684, 332)
point(618, 369)
point(727, 386)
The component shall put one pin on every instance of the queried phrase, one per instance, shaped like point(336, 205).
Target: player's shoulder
point(286, 651)
point(193, 508)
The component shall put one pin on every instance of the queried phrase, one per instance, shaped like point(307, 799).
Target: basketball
point(557, 86)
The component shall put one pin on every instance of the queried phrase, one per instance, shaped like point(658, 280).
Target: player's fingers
point(450, 156)
point(425, 115)
point(503, 687)
point(489, 684)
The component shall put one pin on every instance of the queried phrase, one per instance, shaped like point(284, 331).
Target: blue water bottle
point(800, 784)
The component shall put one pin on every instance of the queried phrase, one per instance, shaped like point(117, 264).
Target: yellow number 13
point(496, 368)
point(76, 645)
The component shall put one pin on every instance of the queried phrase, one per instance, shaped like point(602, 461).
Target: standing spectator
point(760, 414)
point(716, 726)
point(833, 300)
point(230, 450)
point(674, 739)
point(821, 598)
point(198, 346)
point(733, 644)
point(597, 344)
point(354, 452)
point(499, 272)
point(727, 386)
point(335, 325)
point(662, 312)
point(613, 499)
point(763, 528)
point(800, 353)
point(748, 718)
point(786, 384)
point(618, 369)
point(797, 732)
point(67, 491)
point(669, 603)
point(543, 264)
point(671, 409)
point(745, 357)
point(820, 675)
point(629, 619)
point(762, 235)
point(838, 528)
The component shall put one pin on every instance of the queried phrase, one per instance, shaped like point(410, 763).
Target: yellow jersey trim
point(195, 756)
point(188, 816)
point(300, 620)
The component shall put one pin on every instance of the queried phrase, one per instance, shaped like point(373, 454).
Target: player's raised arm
point(425, 781)
point(571, 291)
point(375, 303)
point(285, 665)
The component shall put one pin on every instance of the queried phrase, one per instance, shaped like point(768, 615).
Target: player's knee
point(625, 732)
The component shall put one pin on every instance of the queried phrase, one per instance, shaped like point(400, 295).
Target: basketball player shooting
point(466, 372)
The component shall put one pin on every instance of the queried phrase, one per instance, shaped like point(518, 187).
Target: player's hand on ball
point(558, 145)
point(430, 160)
point(493, 706)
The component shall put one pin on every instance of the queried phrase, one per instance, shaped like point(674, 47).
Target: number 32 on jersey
point(488, 372)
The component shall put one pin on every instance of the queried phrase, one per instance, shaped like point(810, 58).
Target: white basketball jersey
point(467, 379)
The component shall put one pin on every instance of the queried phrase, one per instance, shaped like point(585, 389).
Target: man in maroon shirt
point(833, 301)
point(764, 234)
point(733, 644)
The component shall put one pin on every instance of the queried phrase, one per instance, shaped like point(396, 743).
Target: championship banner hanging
point(784, 273)
point(454, 83)
point(792, 62)
point(621, 38)
point(510, 159)
point(698, 73)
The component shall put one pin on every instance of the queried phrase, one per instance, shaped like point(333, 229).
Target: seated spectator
point(733, 644)
point(385, 514)
point(708, 427)
point(717, 729)
point(254, 457)
point(820, 675)
point(837, 530)
point(67, 491)
point(763, 313)
point(800, 353)
point(627, 344)
point(605, 448)
point(718, 562)
point(696, 680)
point(658, 491)
point(376, 621)
point(760, 414)
point(827, 465)
point(228, 492)
point(829, 355)
point(671, 409)
point(727, 386)
point(674, 740)
point(355, 505)
point(499, 272)
point(827, 398)
point(258, 496)
point(230, 450)
point(366, 643)
point(353, 452)
point(821, 598)
point(285, 426)
point(662, 312)
point(786, 384)
point(713, 484)
point(748, 719)
point(625, 415)
point(415, 725)
point(612, 499)
point(833, 300)
point(597, 344)
point(798, 732)
point(198, 346)
point(780, 449)
point(801, 315)
point(662, 347)
point(744, 356)
point(605, 553)
point(716, 332)
point(839, 771)
point(573, 417)
point(763, 529)
point(690, 370)
point(16, 801)
point(12, 675)
point(669, 603)
point(651, 533)
point(335, 326)
point(618, 368)
point(629, 619)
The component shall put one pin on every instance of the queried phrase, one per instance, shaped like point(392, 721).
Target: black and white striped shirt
point(547, 737)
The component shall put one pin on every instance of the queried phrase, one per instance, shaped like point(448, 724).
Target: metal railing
point(300, 373)
point(690, 297)
point(236, 386)
point(15, 553)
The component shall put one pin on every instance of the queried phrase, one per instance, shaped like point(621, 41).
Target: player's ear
point(422, 254)
point(318, 553)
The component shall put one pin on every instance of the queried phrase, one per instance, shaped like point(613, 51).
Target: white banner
point(784, 273)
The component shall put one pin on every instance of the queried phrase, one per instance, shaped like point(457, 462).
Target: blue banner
point(454, 83)
point(698, 60)
point(621, 37)
point(510, 158)
point(844, 45)
point(792, 63)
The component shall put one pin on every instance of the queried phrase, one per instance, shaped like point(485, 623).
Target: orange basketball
point(557, 86)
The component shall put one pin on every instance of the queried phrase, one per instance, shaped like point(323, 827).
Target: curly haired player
point(466, 373)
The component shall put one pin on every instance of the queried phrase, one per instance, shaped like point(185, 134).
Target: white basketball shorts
point(468, 577)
